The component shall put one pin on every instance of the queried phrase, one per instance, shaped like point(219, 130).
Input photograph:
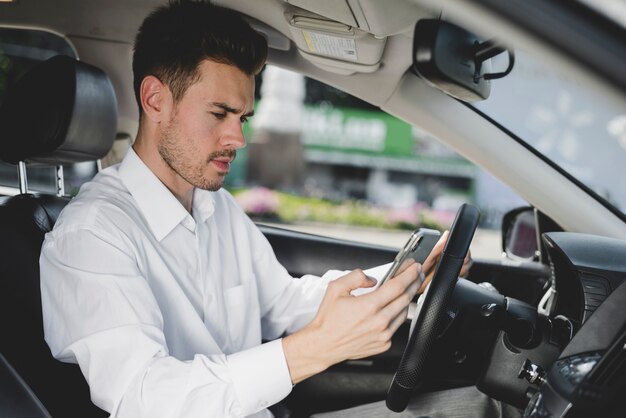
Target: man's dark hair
point(175, 38)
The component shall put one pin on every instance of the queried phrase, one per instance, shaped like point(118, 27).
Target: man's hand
point(351, 327)
point(433, 259)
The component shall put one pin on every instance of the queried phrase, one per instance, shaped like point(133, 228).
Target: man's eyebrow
point(231, 109)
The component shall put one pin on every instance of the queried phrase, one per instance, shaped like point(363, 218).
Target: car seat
point(62, 111)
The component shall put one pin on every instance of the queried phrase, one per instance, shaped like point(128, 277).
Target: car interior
point(549, 341)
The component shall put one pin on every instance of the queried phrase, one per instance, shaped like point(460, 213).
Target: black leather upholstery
point(24, 220)
point(16, 398)
point(62, 111)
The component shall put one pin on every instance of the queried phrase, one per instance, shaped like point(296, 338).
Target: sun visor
point(372, 16)
point(332, 45)
point(339, 10)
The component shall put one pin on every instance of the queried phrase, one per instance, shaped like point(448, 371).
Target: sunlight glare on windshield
point(577, 129)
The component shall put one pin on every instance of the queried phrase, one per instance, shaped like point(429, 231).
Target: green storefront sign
point(356, 131)
point(366, 138)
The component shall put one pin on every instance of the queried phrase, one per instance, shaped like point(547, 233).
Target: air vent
point(595, 291)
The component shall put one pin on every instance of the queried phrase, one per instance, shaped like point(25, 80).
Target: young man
point(157, 284)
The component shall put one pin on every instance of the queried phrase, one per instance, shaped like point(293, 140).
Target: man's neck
point(181, 189)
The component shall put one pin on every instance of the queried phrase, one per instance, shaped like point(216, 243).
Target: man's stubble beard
point(174, 157)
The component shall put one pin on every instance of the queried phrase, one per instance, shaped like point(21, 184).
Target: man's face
point(201, 138)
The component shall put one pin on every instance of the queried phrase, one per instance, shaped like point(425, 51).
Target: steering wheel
point(428, 322)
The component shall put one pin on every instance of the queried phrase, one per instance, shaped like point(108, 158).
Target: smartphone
point(419, 245)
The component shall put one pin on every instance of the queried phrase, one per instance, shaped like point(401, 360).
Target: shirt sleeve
point(99, 311)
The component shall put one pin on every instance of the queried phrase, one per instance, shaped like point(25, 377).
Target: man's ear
point(155, 98)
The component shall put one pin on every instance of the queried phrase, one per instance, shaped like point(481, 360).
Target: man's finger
point(467, 264)
point(396, 286)
point(400, 304)
point(398, 320)
point(433, 257)
point(427, 279)
point(353, 280)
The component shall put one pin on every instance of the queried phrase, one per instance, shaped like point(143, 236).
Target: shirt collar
point(203, 204)
point(158, 205)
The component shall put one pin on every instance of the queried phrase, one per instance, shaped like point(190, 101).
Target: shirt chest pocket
point(242, 316)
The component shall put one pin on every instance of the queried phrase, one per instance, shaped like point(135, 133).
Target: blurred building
point(336, 146)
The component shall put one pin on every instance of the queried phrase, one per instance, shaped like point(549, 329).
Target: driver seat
point(62, 111)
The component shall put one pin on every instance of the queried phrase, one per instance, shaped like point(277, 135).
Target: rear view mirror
point(454, 60)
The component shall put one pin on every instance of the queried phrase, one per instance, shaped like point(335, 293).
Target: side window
point(21, 49)
point(321, 161)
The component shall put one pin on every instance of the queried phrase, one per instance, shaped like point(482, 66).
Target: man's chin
point(211, 185)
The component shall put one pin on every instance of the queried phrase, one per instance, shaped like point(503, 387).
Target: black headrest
point(61, 111)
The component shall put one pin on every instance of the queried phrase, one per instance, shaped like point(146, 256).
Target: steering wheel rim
point(428, 322)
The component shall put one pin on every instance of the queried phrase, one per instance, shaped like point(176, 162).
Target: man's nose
point(234, 137)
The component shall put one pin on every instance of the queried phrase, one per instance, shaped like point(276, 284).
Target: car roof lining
point(94, 41)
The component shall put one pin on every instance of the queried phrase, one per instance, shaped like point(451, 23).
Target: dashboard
point(589, 376)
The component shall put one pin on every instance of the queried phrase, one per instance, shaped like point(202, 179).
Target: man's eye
point(219, 116)
point(243, 119)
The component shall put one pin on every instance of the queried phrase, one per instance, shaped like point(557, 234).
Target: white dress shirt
point(163, 310)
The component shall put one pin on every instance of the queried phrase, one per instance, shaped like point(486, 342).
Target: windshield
point(573, 127)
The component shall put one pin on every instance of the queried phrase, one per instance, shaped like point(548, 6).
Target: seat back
point(60, 112)
point(16, 398)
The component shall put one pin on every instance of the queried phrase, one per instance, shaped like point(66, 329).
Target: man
point(157, 284)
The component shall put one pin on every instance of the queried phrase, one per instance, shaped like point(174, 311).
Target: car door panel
point(303, 253)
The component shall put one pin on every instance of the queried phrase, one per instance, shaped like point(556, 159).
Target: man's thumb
point(353, 280)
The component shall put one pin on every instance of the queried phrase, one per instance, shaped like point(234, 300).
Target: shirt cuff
point(260, 376)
